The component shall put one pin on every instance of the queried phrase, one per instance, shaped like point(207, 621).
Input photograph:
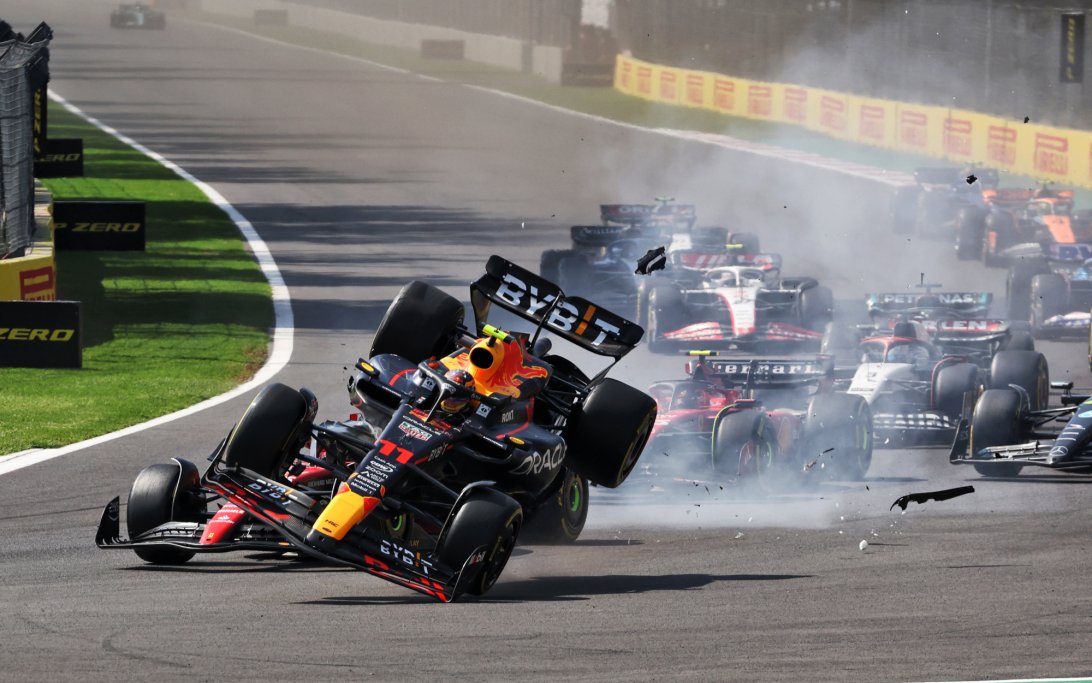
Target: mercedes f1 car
point(746, 307)
point(1003, 433)
point(762, 420)
point(137, 15)
point(465, 432)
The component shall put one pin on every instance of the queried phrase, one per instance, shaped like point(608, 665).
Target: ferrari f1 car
point(747, 307)
point(1004, 433)
point(946, 201)
point(137, 15)
point(762, 420)
point(465, 433)
point(916, 379)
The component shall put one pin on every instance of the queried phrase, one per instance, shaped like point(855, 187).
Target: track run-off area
point(359, 178)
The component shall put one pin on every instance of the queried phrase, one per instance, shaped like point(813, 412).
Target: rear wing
point(680, 215)
point(595, 235)
point(894, 302)
point(966, 331)
point(766, 372)
point(1068, 253)
point(532, 298)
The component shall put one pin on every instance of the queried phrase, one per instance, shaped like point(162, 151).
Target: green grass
point(163, 329)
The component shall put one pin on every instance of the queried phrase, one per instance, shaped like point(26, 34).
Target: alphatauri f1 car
point(465, 433)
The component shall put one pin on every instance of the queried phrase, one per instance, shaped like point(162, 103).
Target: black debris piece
point(652, 261)
point(971, 178)
point(946, 494)
point(1026, 119)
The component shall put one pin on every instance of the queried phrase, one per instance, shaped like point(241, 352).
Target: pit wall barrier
point(507, 53)
point(33, 277)
point(1044, 152)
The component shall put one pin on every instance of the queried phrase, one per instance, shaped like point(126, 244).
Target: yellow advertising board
point(957, 135)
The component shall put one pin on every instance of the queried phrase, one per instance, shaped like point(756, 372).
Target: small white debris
point(863, 546)
point(739, 535)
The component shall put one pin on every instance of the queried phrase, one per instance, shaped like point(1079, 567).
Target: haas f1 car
point(465, 434)
point(137, 15)
point(1004, 433)
point(762, 420)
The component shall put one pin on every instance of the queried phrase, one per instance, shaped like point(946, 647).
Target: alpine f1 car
point(1050, 286)
point(946, 201)
point(1003, 433)
point(764, 420)
point(916, 380)
point(137, 15)
point(465, 433)
point(747, 307)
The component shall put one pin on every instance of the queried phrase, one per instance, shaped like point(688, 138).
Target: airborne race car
point(465, 432)
point(137, 15)
point(762, 420)
point(747, 307)
point(1004, 433)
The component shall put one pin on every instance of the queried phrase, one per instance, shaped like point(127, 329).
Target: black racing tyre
point(561, 518)
point(419, 323)
point(745, 444)
point(548, 264)
point(747, 241)
point(1027, 369)
point(816, 308)
point(838, 431)
point(574, 275)
point(485, 518)
point(1018, 286)
point(666, 313)
point(1019, 340)
point(904, 209)
point(1049, 296)
point(606, 434)
point(160, 494)
point(1002, 227)
point(951, 383)
point(270, 433)
point(997, 421)
point(970, 230)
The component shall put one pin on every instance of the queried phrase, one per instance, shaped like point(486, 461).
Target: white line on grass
point(282, 308)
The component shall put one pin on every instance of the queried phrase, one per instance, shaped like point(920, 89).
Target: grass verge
point(163, 329)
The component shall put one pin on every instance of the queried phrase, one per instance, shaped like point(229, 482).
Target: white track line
point(282, 308)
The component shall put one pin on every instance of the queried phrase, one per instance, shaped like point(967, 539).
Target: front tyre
point(268, 436)
point(997, 421)
point(745, 444)
point(486, 520)
point(839, 430)
point(419, 323)
point(160, 494)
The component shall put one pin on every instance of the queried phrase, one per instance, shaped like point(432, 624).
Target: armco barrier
point(1029, 149)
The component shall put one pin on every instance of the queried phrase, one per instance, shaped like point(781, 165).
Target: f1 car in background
point(603, 257)
point(746, 307)
point(946, 202)
point(466, 432)
point(1019, 217)
point(762, 420)
point(1051, 287)
point(137, 15)
point(1003, 433)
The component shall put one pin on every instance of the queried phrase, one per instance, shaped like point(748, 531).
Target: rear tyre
point(839, 431)
point(666, 313)
point(560, 519)
point(1018, 286)
point(1000, 229)
point(573, 275)
point(160, 494)
point(485, 519)
point(1020, 340)
point(1026, 369)
point(970, 231)
point(952, 382)
point(607, 434)
point(270, 433)
point(1049, 296)
point(816, 308)
point(548, 264)
point(745, 444)
point(419, 323)
point(997, 421)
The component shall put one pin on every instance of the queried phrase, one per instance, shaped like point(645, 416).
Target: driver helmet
point(456, 404)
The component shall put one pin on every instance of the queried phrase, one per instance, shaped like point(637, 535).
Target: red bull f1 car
point(465, 433)
point(766, 421)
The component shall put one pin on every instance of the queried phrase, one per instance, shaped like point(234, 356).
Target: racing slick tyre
point(160, 494)
point(548, 264)
point(951, 383)
point(1000, 230)
point(666, 313)
point(1018, 286)
point(816, 308)
point(1026, 369)
point(419, 323)
point(561, 518)
point(574, 276)
point(747, 242)
point(997, 421)
point(745, 444)
point(970, 231)
point(485, 518)
point(1049, 296)
point(270, 432)
point(1020, 340)
point(608, 432)
point(839, 429)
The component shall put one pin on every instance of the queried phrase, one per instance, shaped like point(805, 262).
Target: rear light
point(688, 367)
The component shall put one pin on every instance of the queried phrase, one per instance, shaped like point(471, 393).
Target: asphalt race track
point(359, 179)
